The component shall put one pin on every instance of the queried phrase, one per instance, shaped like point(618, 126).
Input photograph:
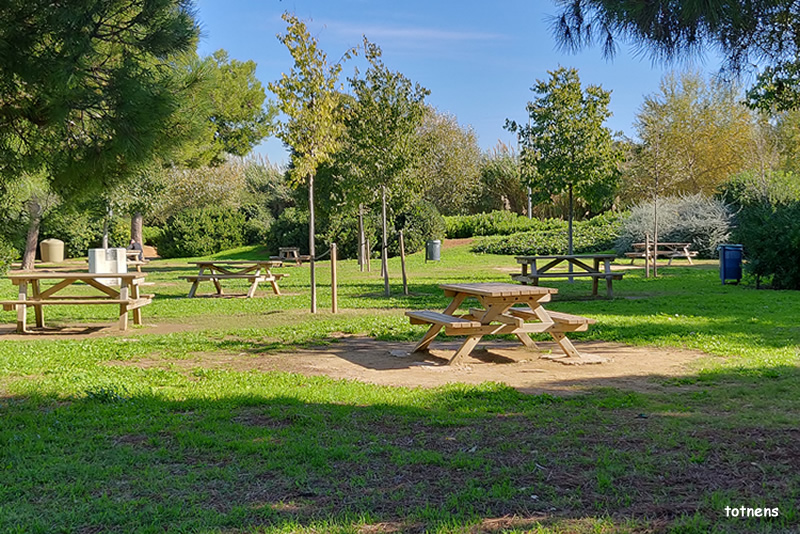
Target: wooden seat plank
point(442, 319)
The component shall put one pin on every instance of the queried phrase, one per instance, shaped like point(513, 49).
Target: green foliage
point(81, 229)
point(290, 229)
point(151, 235)
point(565, 145)
point(419, 224)
point(501, 185)
point(759, 32)
point(768, 226)
point(702, 221)
point(496, 223)
point(594, 235)
point(201, 232)
point(7, 254)
point(87, 85)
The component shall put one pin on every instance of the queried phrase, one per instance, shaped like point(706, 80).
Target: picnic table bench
point(499, 316)
point(588, 266)
point(666, 249)
point(255, 272)
point(128, 297)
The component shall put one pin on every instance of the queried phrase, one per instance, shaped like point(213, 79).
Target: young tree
point(449, 163)
point(565, 145)
point(385, 115)
point(313, 126)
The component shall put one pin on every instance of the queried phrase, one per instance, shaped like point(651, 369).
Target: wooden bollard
point(403, 263)
point(334, 303)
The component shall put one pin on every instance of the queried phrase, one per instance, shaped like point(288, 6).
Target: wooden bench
point(578, 321)
point(125, 305)
point(441, 319)
point(254, 280)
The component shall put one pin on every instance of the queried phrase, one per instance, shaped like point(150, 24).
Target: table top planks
point(52, 275)
point(497, 289)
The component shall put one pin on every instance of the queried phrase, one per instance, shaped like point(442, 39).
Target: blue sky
point(479, 59)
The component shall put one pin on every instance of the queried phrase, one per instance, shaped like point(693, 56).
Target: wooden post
point(334, 303)
point(403, 263)
point(647, 255)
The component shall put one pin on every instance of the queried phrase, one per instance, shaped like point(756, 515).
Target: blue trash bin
point(433, 250)
point(730, 262)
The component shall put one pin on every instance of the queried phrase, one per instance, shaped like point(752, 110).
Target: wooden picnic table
point(127, 297)
point(665, 249)
point(291, 254)
point(499, 315)
point(254, 271)
point(584, 265)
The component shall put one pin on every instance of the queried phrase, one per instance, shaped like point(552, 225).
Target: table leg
point(193, 289)
point(137, 312)
point(22, 309)
point(527, 341)
point(566, 345)
point(274, 284)
point(217, 285)
point(37, 310)
point(595, 283)
point(123, 308)
point(465, 348)
point(435, 328)
point(609, 288)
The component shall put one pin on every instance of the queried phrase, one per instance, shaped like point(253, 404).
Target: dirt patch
point(392, 364)
point(450, 243)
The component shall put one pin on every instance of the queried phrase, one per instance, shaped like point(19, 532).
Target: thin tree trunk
point(569, 246)
point(32, 239)
point(385, 245)
point(311, 248)
point(109, 215)
point(361, 244)
point(655, 234)
point(137, 223)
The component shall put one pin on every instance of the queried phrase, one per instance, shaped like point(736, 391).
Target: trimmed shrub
point(151, 235)
point(200, 232)
point(258, 219)
point(702, 221)
point(595, 235)
point(496, 223)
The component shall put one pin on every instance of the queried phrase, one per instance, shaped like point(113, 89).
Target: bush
point(258, 220)
point(151, 235)
point(200, 232)
point(419, 224)
point(702, 221)
point(290, 229)
point(768, 226)
point(595, 235)
point(81, 230)
point(495, 223)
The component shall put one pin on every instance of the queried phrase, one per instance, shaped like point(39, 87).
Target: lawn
point(90, 447)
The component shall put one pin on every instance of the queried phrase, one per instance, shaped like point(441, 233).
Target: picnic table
point(499, 315)
point(135, 258)
point(666, 249)
point(291, 254)
point(127, 297)
point(584, 265)
point(254, 271)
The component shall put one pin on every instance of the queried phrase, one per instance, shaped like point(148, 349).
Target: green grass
point(87, 446)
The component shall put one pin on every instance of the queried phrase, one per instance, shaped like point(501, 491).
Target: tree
point(756, 32)
point(565, 146)
point(449, 164)
point(501, 182)
point(381, 126)
point(694, 136)
point(86, 89)
point(313, 126)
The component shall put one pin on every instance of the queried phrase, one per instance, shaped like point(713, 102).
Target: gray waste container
point(730, 262)
point(433, 250)
point(52, 250)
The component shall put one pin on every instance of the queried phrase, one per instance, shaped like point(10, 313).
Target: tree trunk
point(109, 214)
point(385, 245)
point(137, 222)
point(361, 247)
point(570, 249)
point(35, 214)
point(311, 248)
point(655, 234)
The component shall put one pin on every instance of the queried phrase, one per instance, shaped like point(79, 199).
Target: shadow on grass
point(457, 458)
